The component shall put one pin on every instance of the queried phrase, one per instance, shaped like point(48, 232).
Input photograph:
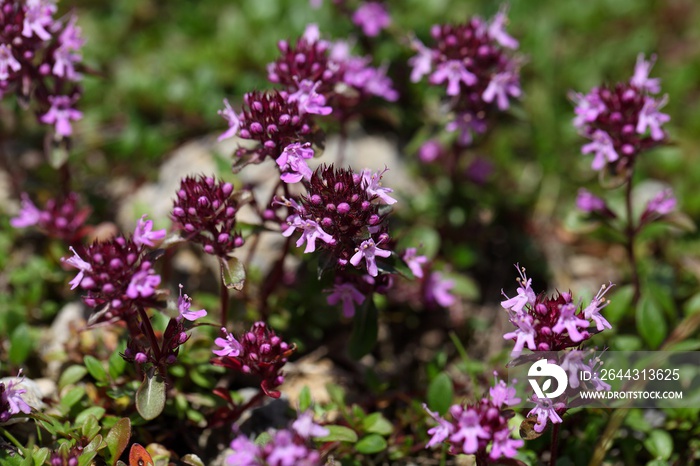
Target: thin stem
point(12, 439)
point(342, 143)
point(150, 334)
point(223, 300)
point(555, 445)
point(630, 234)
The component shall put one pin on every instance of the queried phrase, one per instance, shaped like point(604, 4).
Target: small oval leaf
point(339, 434)
point(365, 329)
point(150, 397)
point(440, 393)
point(371, 444)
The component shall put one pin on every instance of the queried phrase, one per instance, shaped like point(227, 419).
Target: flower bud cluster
point(475, 427)
point(118, 272)
point(551, 323)
point(339, 208)
point(259, 352)
point(38, 60)
point(473, 62)
point(61, 219)
point(323, 71)
point(622, 120)
point(11, 401)
point(205, 210)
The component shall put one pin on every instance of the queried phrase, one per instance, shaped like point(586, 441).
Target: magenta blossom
point(77, 262)
point(641, 78)
point(437, 290)
point(369, 250)
point(429, 151)
point(183, 306)
point(662, 204)
point(61, 114)
point(349, 295)
point(588, 202)
point(414, 262)
point(143, 283)
point(545, 410)
point(372, 183)
point(305, 426)
point(292, 162)
point(229, 345)
point(8, 63)
point(28, 215)
point(144, 234)
point(454, 72)
point(233, 119)
point(372, 17)
point(309, 100)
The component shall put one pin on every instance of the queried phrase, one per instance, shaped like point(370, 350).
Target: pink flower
point(368, 250)
point(441, 431)
point(526, 295)
point(429, 151)
point(310, 232)
point(502, 394)
point(437, 290)
point(292, 162)
point(183, 306)
point(348, 295)
point(372, 17)
point(524, 334)
point(245, 452)
point(422, 62)
point(309, 100)
point(28, 215)
point(469, 429)
point(7, 62)
point(371, 182)
point(545, 410)
point(143, 283)
point(61, 113)
point(651, 118)
point(414, 262)
point(229, 345)
point(661, 204)
point(144, 234)
point(305, 426)
point(497, 32)
point(570, 322)
point(467, 124)
point(454, 72)
point(37, 18)
point(500, 87)
point(504, 445)
point(602, 147)
point(641, 79)
point(587, 202)
point(77, 262)
point(592, 311)
point(233, 119)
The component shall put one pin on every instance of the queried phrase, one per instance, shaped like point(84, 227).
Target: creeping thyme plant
point(283, 233)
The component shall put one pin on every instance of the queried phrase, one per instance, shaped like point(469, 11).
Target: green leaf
point(21, 344)
point(116, 365)
point(40, 456)
point(117, 439)
point(336, 393)
point(91, 427)
point(371, 444)
point(74, 395)
point(650, 322)
point(304, 399)
point(263, 439)
point(660, 444)
point(376, 423)
point(192, 460)
point(95, 368)
point(150, 397)
point(232, 273)
point(440, 393)
point(90, 451)
point(364, 329)
point(96, 411)
point(339, 434)
point(71, 375)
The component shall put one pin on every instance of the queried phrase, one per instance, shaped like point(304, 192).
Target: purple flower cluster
point(473, 62)
point(205, 210)
point(118, 272)
point(259, 352)
point(287, 447)
point(327, 73)
point(372, 18)
point(545, 323)
point(39, 57)
point(622, 120)
point(60, 218)
point(339, 213)
point(272, 119)
point(476, 427)
point(11, 401)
